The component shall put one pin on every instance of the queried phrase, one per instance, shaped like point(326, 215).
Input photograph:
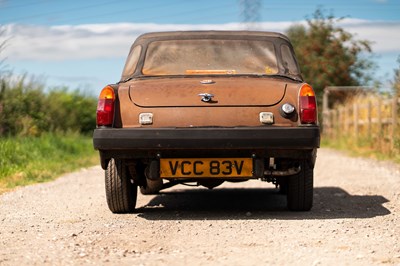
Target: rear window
point(288, 61)
point(132, 61)
point(197, 57)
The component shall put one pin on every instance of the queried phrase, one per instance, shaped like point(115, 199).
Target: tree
point(328, 55)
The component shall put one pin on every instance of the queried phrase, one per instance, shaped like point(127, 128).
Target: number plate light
point(267, 118)
point(146, 118)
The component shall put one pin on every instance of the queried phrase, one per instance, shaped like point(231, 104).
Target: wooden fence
point(367, 117)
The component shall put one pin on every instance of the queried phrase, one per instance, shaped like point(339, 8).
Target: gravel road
point(355, 221)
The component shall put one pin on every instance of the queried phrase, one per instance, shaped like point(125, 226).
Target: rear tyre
point(121, 191)
point(283, 185)
point(300, 190)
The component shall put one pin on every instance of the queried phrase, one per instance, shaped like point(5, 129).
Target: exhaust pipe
point(288, 172)
point(153, 181)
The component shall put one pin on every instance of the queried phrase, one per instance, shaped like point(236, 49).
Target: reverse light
point(105, 107)
point(308, 105)
point(287, 110)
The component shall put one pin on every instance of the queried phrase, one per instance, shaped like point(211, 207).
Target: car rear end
point(208, 108)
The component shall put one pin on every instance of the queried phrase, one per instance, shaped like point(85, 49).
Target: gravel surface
point(355, 221)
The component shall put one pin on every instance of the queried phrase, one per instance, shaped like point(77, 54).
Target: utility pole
point(250, 13)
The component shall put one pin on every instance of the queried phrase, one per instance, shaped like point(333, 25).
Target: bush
point(27, 110)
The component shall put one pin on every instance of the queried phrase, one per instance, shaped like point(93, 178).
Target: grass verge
point(362, 148)
point(28, 160)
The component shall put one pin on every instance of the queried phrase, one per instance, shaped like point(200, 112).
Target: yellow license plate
point(206, 167)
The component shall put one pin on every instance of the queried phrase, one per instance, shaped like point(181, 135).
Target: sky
point(83, 44)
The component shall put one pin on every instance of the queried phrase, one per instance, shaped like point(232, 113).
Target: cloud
point(55, 43)
point(383, 35)
point(94, 41)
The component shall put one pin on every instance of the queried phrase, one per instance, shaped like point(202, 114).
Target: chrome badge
point(206, 97)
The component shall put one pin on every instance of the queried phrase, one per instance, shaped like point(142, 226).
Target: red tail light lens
point(105, 107)
point(308, 105)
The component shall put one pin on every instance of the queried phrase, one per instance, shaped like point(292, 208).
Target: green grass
point(28, 160)
point(363, 148)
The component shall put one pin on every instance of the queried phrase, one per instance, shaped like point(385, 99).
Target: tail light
point(307, 105)
point(105, 107)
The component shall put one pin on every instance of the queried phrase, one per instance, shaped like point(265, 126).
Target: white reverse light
point(267, 118)
point(146, 118)
point(287, 108)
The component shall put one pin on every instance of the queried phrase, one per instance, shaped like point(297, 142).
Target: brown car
point(206, 107)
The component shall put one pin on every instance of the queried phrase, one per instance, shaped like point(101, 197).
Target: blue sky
point(84, 43)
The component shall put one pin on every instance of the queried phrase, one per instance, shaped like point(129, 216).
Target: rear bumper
point(206, 138)
point(146, 142)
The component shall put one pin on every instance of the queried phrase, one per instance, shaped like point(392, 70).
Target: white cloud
point(383, 35)
point(31, 42)
point(90, 41)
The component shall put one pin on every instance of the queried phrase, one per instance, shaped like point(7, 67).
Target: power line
point(177, 15)
point(208, 16)
point(5, 5)
point(158, 6)
point(125, 10)
point(195, 11)
point(65, 10)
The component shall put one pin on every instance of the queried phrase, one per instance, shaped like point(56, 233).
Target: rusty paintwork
point(185, 109)
point(175, 101)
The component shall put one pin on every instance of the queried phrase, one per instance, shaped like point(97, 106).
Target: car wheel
point(121, 191)
point(300, 189)
point(283, 188)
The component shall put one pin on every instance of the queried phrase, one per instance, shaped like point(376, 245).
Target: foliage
point(26, 110)
point(328, 55)
point(377, 135)
point(396, 79)
point(41, 130)
point(27, 160)
point(361, 148)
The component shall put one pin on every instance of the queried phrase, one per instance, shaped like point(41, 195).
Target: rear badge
point(206, 97)
point(207, 81)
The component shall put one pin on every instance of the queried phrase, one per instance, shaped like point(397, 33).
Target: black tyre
point(121, 191)
point(283, 185)
point(300, 189)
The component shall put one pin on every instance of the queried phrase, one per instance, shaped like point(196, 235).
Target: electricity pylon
point(250, 12)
